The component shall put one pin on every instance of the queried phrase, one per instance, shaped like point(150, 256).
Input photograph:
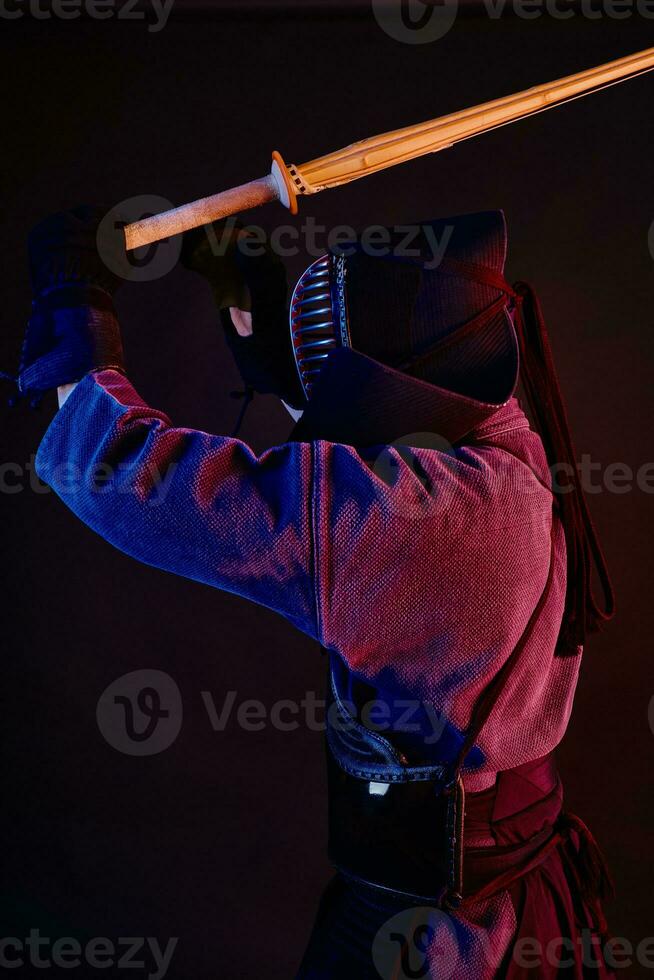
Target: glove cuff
point(71, 295)
point(72, 330)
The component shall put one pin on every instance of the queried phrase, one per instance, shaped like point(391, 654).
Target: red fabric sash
point(523, 813)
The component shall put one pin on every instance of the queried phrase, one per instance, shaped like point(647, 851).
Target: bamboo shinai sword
point(286, 182)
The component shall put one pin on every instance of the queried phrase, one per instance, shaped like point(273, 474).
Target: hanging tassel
point(582, 612)
point(589, 869)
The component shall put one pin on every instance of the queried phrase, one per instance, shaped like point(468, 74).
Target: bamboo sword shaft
point(285, 183)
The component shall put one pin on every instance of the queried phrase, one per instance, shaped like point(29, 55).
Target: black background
point(219, 840)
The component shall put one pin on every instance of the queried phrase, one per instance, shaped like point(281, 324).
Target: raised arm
point(198, 505)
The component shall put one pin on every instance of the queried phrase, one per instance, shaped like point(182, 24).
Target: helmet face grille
point(317, 318)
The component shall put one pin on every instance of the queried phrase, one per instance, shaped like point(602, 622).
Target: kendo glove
point(77, 262)
point(247, 275)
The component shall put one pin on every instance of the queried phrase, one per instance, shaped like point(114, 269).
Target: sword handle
point(277, 186)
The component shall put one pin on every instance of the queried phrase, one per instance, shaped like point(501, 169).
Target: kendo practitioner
point(415, 524)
